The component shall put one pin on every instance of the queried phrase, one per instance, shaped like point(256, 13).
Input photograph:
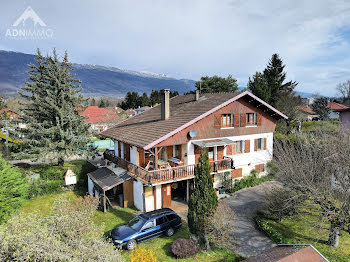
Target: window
point(177, 151)
point(227, 120)
point(161, 220)
point(251, 119)
point(238, 147)
point(171, 217)
point(148, 225)
point(211, 153)
point(260, 144)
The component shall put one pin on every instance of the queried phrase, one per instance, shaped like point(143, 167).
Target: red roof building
point(99, 118)
point(336, 106)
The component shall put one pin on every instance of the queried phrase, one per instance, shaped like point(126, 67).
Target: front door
point(166, 195)
point(211, 153)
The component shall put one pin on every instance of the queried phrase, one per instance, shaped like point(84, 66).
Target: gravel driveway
point(246, 203)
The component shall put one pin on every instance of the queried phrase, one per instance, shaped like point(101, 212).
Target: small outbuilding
point(113, 186)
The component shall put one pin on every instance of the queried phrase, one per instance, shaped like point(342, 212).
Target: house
point(289, 253)
point(307, 113)
point(141, 110)
point(130, 112)
point(344, 117)
point(334, 107)
point(13, 117)
point(160, 147)
point(99, 118)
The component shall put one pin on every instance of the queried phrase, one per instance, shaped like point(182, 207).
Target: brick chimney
point(165, 104)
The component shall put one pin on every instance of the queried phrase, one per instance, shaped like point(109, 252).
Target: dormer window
point(251, 119)
point(227, 120)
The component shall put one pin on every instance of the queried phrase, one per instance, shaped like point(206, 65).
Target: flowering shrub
point(183, 248)
point(142, 255)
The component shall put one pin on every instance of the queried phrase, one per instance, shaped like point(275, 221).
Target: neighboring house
point(289, 253)
point(118, 110)
point(334, 107)
point(307, 113)
point(344, 117)
point(13, 117)
point(160, 147)
point(141, 109)
point(99, 118)
point(130, 112)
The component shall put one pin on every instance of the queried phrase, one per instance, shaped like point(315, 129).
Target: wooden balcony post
point(156, 151)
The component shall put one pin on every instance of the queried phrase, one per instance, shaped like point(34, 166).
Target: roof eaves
point(210, 112)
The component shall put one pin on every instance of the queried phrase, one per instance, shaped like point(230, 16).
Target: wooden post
point(156, 151)
point(104, 201)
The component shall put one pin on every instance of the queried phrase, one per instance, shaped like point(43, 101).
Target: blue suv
point(146, 226)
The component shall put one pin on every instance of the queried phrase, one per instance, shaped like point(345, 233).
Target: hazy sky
point(191, 38)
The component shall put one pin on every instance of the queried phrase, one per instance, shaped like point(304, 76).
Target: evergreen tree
point(144, 100)
point(203, 201)
point(102, 103)
point(55, 130)
point(270, 85)
point(320, 107)
point(154, 97)
point(215, 84)
point(14, 189)
point(93, 102)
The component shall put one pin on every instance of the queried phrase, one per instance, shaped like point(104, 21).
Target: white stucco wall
point(159, 196)
point(116, 148)
point(90, 186)
point(191, 159)
point(133, 152)
point(246, 161)
point(138, 195)
point(122, 150)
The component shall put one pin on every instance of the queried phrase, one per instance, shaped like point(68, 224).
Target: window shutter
point(243, 119)
point(265, 142)
point(217, 121)
point(229, 150)
point(236, 120)
point(258, 119)
point(255, 144)
point(119, 149)
point(247, 146)
point(170, 151)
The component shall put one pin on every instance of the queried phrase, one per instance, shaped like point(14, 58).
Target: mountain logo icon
point(29, 13)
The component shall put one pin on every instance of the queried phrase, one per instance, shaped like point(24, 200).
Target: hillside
point(96, 80)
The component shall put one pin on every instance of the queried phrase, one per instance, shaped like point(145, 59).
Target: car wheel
point(169, 232)
point(130, 245)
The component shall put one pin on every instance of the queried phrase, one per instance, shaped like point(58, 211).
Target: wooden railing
point(169, 174)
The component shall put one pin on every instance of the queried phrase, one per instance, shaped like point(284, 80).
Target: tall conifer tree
point(54, 130)
point(203, 201)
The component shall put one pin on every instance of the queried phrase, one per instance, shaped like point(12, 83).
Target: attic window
point(251, 119)
point(227, 120)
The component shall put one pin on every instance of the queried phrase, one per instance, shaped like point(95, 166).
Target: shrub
point(52, 173)
point(66, 235)
point(41, 187)
point(14, 189)
point(183, 248)
point(264, 226)
point(251, 180)
point(272, 167)
point(142, 255)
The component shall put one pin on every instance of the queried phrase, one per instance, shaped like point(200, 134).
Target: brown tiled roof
point(143, 129)
point(336, 106)
point(288, 253)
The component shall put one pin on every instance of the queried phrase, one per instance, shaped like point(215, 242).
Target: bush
point(66, 235)
point(251, 180)
point(264, 226)
point(142, 255)
point(52, 173)
point(42, 187)
point(183, 248)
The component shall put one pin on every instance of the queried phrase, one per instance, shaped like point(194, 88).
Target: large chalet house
point(159, 148)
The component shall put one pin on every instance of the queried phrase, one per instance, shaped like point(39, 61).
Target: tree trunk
point(60, 161)
point(206, 240)
point(334, 233)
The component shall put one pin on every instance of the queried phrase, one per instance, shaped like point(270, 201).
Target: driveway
point(246, 203)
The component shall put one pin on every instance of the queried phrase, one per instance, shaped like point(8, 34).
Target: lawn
point(117, 216)
point(302, 229)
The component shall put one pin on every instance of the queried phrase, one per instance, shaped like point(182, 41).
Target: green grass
point(301, 229)
point(161, 246)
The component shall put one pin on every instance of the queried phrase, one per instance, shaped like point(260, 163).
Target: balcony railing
point(168, 174)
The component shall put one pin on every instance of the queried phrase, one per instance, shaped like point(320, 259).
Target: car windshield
point(136, 223)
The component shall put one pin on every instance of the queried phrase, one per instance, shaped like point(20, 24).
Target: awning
point(212, 143)
point(106, 179)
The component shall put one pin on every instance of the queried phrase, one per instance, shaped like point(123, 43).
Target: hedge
point(272, 233)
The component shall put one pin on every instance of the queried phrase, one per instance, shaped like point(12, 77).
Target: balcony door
point(211, 153)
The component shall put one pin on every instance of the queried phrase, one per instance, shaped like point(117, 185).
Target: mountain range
point(96, 80)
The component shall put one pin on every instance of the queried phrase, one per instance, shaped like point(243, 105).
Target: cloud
point(188, 39)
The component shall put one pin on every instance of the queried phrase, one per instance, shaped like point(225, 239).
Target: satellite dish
point(192, 133)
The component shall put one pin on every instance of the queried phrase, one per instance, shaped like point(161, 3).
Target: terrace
point(169, 174)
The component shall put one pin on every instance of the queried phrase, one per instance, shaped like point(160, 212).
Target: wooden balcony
point(168, 174)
